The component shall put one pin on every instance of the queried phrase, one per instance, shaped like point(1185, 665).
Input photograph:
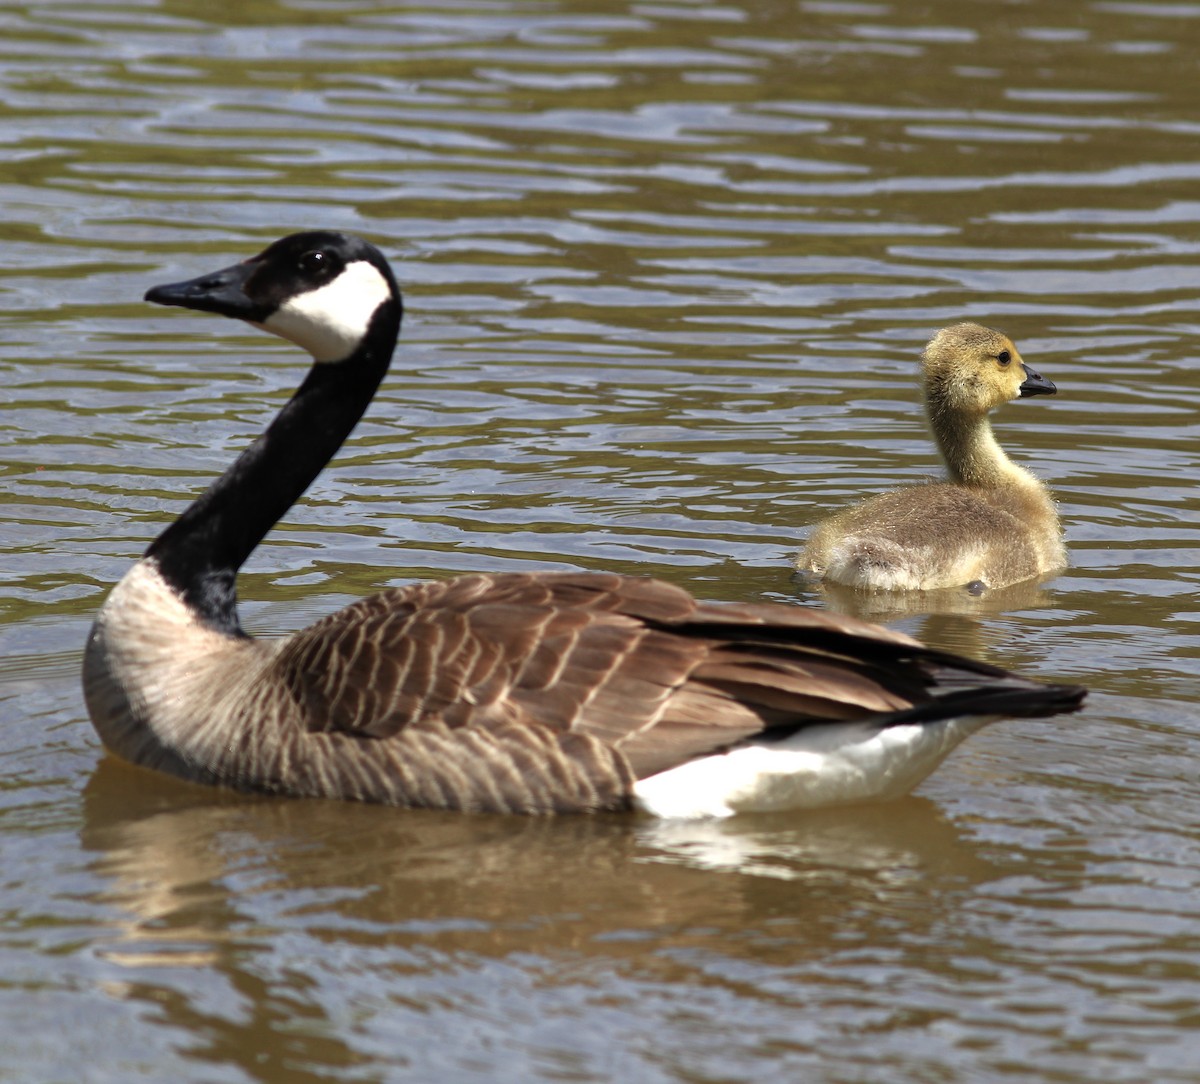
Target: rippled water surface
point(668, 268)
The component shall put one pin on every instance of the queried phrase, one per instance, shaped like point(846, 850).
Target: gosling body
point(990, 524)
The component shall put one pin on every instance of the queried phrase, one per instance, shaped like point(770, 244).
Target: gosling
point(989, 525)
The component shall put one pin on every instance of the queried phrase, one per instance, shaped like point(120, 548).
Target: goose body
point(520, 692)
point(989, 525)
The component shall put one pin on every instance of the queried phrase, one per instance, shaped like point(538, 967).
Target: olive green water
point(668, 268)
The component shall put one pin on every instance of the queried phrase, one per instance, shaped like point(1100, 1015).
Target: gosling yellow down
point(990, 524)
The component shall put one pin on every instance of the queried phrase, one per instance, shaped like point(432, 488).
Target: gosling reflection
point(883, 606)
point(950, 619)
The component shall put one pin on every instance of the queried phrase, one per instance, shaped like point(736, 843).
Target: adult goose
point(520, 692)
point(989, 525)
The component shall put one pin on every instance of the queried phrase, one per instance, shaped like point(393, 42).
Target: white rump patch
point(832, 764)
point(331, 322)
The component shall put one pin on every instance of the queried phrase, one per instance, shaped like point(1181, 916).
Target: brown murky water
point(668, 269)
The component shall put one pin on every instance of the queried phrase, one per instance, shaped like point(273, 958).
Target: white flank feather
point(834, 764)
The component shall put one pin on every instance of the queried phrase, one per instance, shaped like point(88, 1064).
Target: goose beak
point(1035, 384)
point(222, 292)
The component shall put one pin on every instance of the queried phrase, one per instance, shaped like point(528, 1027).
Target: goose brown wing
point(633, 663)
point(493, 650)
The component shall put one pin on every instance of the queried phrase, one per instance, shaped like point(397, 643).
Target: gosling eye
point(1004, 357)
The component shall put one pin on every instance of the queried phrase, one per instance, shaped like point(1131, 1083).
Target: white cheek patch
point(331, 322)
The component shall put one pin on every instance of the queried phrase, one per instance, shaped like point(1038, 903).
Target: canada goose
point(518, 692)
point(989, 525)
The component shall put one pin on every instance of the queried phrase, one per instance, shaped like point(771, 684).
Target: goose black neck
point(200, 553)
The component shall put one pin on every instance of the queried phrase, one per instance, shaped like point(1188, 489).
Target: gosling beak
point(1035, 384)
point(222, 292)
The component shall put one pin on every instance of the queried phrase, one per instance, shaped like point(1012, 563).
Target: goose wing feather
point(635, 664)
point(566, 652)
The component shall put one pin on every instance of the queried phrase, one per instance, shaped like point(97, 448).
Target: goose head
point(334, 295)
point(969, 370)
point(330, 293)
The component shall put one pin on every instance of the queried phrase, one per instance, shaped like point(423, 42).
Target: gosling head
point(327, 292)
point(969, 370)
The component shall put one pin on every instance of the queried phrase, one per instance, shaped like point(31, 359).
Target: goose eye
point(1004, 357)
point(313, 261)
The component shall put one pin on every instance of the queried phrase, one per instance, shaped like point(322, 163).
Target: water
point(668, 269)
